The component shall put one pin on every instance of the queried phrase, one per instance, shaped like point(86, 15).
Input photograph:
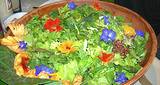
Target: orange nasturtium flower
point(105, 58)
point(20, 64)
point(66, 47)
point(53, 25)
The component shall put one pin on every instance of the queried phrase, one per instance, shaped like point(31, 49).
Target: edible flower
point(96, 5)
point(53, 25)
point(66, 47)
point(139, 33)
point(22, 45)
point(120, 77)
point(129, 31)
point(12, 43)
point(72, 5)
point(43, 68)
point(106, 21)
point(18, 30)
point(20, 64)
point(108, 35)
point(105, 57)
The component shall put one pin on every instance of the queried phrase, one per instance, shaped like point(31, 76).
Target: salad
point(77, 45)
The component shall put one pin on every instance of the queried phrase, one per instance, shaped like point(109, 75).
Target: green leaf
point(54, 14)
point(68, 71)
point(7, 72)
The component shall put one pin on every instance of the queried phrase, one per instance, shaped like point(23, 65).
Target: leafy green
point(54, 14)
point(139, 50)
point(68, 71)
point(7, 72)
point(84, 26)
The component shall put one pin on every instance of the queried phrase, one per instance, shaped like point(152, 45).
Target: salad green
point(82, 40)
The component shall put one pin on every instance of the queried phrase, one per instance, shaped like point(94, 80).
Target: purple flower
point(106, 21)
point(72, 5)
point(44, 68)
point(139, 33)
point(108, 35)
point(120, 77)
point(22, 45)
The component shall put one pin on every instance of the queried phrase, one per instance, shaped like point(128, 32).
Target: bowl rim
point(151, 33)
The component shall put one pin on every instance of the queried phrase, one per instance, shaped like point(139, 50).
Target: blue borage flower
point(106, 21)
point(22, 45)
point(120, 77)
point(108, 35)
point(139, 33)
point(72, 5)
point(43, 68)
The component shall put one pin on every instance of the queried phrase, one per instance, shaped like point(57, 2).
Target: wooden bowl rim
point(151, 32)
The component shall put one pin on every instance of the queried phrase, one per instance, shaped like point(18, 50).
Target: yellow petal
point(10, 40)
point(129, 31)
point(17, 30)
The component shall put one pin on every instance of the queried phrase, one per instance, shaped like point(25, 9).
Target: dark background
point(148, 9)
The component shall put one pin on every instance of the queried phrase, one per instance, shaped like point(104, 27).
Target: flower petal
point(140, 33)
point(72, 5)
point(22, 45)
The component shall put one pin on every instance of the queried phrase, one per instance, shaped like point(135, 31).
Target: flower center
point(68, 48)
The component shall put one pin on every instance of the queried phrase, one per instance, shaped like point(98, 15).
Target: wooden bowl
point(130, 16)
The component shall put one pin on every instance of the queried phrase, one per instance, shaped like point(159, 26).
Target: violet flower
point(22, 45)
point(120, 77)
point(72, 5)
point(43, 68)
point(106, 21)
point(108, 35)
point(139, 33)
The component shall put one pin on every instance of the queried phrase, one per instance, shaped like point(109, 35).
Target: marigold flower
point(67, 47)
point(129, 31)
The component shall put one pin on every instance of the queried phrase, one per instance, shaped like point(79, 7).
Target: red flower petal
point(59, 28)
point(49, 23)
point(57, 21)
point(53, 25)
point(105, 57)
point(24, 64)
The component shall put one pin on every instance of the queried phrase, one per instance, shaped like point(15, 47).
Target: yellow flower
point(12, 43)
point(18, 30)
point(129, 31)
point(66, 47)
